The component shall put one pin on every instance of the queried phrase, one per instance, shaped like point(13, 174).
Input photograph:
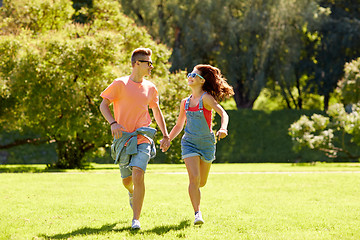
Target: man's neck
point(136, 78)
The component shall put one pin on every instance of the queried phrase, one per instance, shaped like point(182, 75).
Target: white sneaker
point(198, 219)
point(131, 199)
point(135, 224)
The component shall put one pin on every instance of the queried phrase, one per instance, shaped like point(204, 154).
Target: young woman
point(198, 143)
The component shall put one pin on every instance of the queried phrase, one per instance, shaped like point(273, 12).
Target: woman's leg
point(198, 172)
point(204, 172)
point(193, 169)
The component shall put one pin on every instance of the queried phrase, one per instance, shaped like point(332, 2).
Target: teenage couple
point(133, 144)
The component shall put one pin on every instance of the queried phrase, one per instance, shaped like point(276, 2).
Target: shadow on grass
point(161, 230)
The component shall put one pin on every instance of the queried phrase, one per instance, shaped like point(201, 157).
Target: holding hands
point(165, 143)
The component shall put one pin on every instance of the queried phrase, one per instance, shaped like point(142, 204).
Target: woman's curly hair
point(215, 84)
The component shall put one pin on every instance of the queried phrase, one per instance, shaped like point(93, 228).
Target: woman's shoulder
point(208, 97)
point(208, 101)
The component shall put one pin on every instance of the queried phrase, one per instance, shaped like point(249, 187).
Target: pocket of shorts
point(146, 151)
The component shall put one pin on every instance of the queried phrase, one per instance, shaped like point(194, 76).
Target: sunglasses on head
point(194, 75)
point(149, 62)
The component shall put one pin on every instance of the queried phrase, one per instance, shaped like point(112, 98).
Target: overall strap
point(201, 102)
point(187, 103)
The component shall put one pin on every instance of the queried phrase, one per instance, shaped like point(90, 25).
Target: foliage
point(37, 16)
point(271, 100)
point(255, 43)
point(340, 43)
point(52, 79)
point(349, 86)
point(77, 5)
point(329, 133)
point(258, 136)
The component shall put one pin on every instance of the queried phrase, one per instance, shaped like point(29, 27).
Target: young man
point(133, 146)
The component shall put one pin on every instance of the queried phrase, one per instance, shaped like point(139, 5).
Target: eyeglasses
point(149, 62)
point(194, 75)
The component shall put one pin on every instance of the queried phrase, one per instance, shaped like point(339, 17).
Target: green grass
point(319, 201)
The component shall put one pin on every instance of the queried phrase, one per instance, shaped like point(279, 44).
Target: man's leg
point(139, 163)
point(139, 191)
point(128, 184)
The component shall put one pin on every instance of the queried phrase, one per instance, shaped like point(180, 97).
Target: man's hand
point(116, 130)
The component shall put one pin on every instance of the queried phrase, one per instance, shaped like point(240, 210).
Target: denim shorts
point(141, 159)
point(204, 147)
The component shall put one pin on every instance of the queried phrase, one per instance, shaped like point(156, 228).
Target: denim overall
point(198, 140)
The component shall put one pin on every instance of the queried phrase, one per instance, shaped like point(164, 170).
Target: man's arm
point(116, 129)
point(159, 118)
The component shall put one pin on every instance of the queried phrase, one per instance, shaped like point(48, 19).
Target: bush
point(337, 135)
point(52, 78)
point(257, 136)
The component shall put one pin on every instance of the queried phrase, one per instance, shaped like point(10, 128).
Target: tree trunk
point(300, 100)
point(242, 98)
point(162, 22)
point(326, 101)
point(71, 154)
point(283, 93)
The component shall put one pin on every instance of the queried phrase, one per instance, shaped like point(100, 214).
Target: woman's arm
point(180, 122)
point(211, 103)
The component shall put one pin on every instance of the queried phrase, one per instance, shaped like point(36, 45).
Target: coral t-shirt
point(131, 102)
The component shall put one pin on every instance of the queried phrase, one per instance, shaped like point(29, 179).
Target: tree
point(338, 134)
point(35, 15)
point(340, 43)
point(267, 49)
point(349, 86)
point(52, 78)
point(292, 51)
point(256, 43)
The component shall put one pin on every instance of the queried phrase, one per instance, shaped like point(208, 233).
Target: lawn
point(240, 201)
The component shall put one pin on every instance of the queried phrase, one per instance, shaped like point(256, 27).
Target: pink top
point(131, 101)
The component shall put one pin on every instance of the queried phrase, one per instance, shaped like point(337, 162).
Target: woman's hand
point(221, 133)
